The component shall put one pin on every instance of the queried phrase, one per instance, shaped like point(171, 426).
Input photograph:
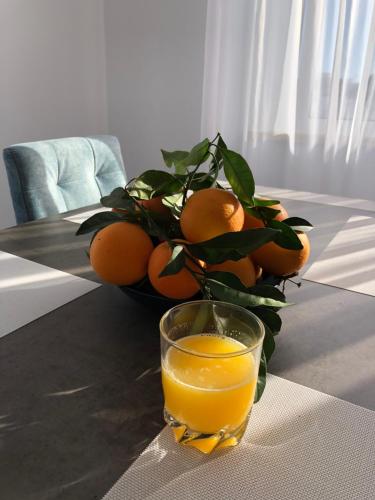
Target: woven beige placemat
point(300, 444)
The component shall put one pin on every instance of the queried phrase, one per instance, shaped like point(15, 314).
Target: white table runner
point(324, 199)
point(29, 290)
point(349, 259)
point(300, 444)
point(82, 216)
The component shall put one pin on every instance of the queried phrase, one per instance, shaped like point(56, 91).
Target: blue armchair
point(54, 176)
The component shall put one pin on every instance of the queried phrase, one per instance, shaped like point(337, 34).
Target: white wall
point(53, 82)
point(155, 57)
point(132, 68)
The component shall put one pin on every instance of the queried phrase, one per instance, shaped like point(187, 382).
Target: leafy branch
point(194, 170)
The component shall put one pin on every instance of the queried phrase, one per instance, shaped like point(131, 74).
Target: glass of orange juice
point(210, 354)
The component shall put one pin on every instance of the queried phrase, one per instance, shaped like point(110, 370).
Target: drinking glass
point(210, 353)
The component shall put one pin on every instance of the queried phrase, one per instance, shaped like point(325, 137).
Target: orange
point(119, 253)
point(120, 210)
point(283, 213)
point(243, 269)
point(282, 261)
point(155, 205)
point(181, 285)
point(209, 213)
point(252, 222)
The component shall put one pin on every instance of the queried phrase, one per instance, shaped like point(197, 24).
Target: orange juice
point(209, 394)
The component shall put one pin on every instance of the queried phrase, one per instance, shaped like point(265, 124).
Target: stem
point(194, 274)
point(189, 181)
point(214, 159)
point(150, 220)
point(288, 278)
point(297, 283)
point(213, 140)
point(195, 262)
point(191, 175)
point(264, 220)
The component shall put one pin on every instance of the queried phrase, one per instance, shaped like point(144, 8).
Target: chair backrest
point(57, 175)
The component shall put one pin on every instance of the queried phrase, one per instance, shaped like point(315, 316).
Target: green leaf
point(260, 291)
point(262, 374)
point(267, 291)
point(152, 179)
point(220, 146)
point(299, 224)
point(156, 183)
point(119, 198)
point(140, 194)
point(173, 157)
point(261, 202)
point(229, 279)
point(98, 221)
point(197, 155)
point(287, 238)
point(203, 181)
point(214, 173)
point(180, 169)
point(228, 294)
point(268, 343)
point(174, 202)
point(154, 224)
point(268, 213)
point(269, 318)
point(232, 246)
point(239, 175)
point(175, 263)
point(252, 211)
point(201, 318)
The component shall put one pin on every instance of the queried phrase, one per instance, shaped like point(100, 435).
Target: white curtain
point(291, 84)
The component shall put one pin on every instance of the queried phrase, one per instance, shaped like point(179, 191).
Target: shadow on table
point(325, 318)
point(80, 393)
point(51, 242)
point(80, 397)
point(327, 341)
point(348, 260)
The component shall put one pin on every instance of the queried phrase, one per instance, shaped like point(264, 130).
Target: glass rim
point(233, 354)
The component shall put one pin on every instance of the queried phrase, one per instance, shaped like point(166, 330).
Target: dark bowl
point(146, 295)
point(150, 299)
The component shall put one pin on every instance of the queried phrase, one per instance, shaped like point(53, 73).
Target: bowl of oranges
point(199, 230)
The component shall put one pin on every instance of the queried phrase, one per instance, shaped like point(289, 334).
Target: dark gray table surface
point(80, 393)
